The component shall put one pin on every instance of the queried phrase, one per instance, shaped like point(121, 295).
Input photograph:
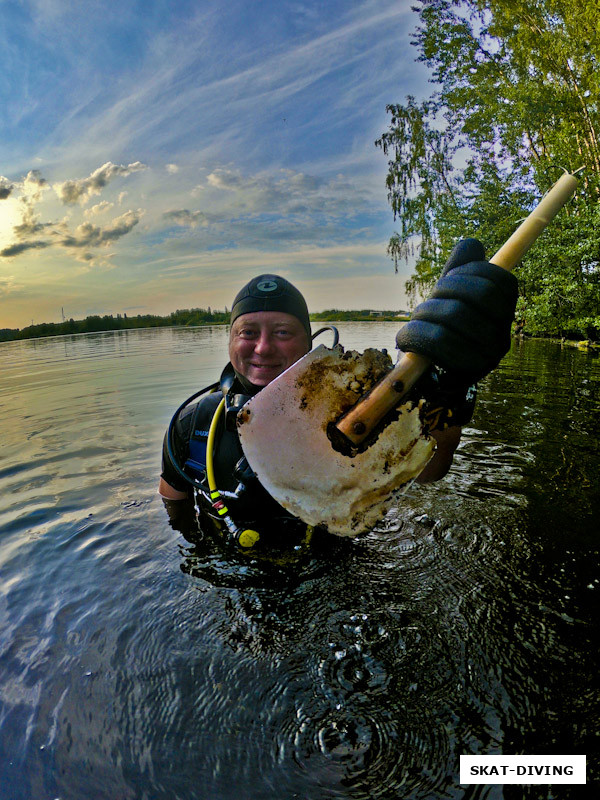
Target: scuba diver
point(463, 328)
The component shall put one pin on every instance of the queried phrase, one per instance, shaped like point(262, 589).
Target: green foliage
point(364, 315)
point(95, 323)
point(517, 100)
point(419, 181)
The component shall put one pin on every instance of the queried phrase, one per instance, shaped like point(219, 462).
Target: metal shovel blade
point(283, 431)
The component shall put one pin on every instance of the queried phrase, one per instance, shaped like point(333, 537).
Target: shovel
point(288, 429)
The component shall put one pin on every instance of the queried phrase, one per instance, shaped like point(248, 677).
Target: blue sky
point(156, 155)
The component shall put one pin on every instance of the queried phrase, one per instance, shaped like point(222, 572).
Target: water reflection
point(424, 641)
point(139, 664)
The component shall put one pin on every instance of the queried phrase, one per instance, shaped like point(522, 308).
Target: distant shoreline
point(348, 316)
point(187, 318)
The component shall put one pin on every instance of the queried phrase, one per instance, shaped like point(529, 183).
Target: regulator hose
point(245, 537)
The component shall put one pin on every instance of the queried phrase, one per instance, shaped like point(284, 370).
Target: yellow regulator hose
point(244, 537)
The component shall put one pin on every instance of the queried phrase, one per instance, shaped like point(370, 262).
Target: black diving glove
point(464, 326)
point(447, 402)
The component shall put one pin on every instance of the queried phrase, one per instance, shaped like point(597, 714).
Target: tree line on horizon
point(517, 103)
point(108, 322)
point(182, 317)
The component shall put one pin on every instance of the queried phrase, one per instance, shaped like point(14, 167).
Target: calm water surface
point(137, 663)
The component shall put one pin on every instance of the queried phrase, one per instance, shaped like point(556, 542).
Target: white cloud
point(89, 235)
point(275, 211)
point(225, 179)
point(75, 191)
point(99, 208)
point(286, 192)
point(33, 185)
point(25, 232)
point(258, 155)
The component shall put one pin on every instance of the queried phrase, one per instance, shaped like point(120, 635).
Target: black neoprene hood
point(271, 293)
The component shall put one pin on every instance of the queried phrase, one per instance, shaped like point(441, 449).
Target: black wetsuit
point(248, 502)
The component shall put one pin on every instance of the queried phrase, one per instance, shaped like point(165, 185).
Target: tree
point(517, 100)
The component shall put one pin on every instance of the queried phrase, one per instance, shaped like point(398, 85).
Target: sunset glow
point(196, 146)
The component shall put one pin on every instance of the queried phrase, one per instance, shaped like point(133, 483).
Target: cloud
point(6, 187)
point(16, 249)
point(225, 179)
point(8, 285)
point(185, 97)
point(33, 185)
point(88, 235)
point(29, 234)
point(184, 217)
point(303, 87)
point(99, 208)
point(29, 224)
point(286, 192)
point(75, 191)
point(30, 190)
point(234, 196)
point(269, 210)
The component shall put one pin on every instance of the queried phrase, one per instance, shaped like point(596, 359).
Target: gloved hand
point(448, 402)
point(464, 326)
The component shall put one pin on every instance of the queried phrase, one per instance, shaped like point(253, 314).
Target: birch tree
point(516, 102)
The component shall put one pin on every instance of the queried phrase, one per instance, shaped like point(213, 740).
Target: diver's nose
point(264, 343)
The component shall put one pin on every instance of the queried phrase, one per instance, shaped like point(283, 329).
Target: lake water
point(137, 664)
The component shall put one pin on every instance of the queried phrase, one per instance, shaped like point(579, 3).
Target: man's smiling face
point(262, 344)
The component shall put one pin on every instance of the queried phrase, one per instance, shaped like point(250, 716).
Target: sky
point(156, 155)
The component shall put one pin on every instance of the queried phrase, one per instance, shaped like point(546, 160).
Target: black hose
point(336, 335)
point(196, 484)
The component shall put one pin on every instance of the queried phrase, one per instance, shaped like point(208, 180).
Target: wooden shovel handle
point(357, 423)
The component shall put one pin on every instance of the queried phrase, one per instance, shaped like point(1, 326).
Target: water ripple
point(135, 664)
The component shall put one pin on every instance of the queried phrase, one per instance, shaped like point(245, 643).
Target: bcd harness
point(226, 488)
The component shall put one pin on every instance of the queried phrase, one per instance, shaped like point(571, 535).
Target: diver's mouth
point(264, 366)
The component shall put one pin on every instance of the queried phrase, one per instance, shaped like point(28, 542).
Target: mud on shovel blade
point(283, 431)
